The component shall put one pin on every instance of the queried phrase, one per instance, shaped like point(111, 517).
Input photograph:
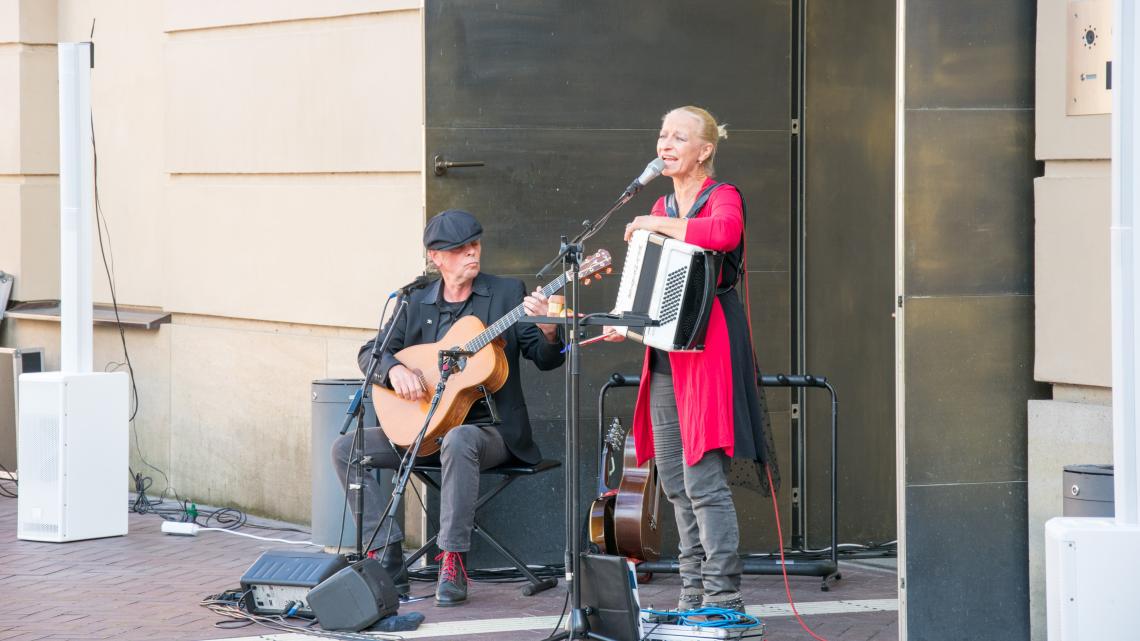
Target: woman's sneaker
point(689, 600)
point(730, 601)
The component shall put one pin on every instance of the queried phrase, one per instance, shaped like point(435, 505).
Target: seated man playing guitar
point(476, 443)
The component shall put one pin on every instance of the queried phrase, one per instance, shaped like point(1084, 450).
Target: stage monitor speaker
point(609, 592)
point(281, 579)
point(354, 598)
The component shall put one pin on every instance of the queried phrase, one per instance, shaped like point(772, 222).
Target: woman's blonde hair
point(710, 132)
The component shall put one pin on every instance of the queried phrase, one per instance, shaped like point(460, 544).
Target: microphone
point(421, 281)
point(652, 170)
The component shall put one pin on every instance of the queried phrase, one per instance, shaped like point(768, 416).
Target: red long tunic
point(702, 380)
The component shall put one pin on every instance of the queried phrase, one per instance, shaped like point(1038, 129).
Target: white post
point(1125, 174)
point(76, 195)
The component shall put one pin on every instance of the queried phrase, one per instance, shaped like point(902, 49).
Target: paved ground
point(147, 585)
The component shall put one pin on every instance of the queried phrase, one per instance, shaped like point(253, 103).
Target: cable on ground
point(231, 605)
point(6, 491)
point(783, 564)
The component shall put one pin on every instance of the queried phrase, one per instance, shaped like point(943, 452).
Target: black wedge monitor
point(608, 590)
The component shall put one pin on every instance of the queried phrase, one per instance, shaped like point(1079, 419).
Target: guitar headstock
point(595, 265)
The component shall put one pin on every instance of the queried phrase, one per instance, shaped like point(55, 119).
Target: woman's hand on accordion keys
point(671, 227)
point(641, 222)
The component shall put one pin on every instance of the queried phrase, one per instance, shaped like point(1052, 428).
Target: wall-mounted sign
point(1089, 69)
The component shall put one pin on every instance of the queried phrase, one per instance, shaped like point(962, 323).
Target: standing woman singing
point(699, 413)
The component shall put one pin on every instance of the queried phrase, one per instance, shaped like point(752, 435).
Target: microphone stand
point(448, 362)
point(570, 253)
point(356, 410)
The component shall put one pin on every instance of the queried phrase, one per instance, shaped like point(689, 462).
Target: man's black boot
point(392, 560)
point(452, 586)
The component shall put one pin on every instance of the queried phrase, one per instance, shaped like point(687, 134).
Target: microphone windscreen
point(652, 170)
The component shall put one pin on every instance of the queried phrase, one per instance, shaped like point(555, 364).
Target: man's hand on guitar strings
point(536, 304)
point(407, 384)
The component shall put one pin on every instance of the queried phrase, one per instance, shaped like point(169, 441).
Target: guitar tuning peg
point(597, 276)
point(586, 281)
point(609, 270)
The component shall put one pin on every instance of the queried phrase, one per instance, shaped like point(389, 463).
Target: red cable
point(767, 470)
point(783, 565)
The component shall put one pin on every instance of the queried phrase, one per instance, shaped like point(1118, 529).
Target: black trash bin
point(331, 398)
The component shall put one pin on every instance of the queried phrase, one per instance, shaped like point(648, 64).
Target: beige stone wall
point(1071, 238)
point(1073, 314)
point(29, 143)
point(1071, 269)
point(1061, 432)
point(260, 173)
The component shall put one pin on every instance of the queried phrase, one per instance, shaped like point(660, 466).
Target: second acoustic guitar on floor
point(627, 521)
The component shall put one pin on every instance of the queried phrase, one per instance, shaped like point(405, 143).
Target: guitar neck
point(503, 324)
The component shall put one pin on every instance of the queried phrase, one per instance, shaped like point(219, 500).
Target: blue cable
point(723, 618)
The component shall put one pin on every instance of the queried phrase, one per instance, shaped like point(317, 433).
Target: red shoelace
point(447, 567)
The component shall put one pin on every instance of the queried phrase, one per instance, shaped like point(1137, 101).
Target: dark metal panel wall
point(963, 240)
point(849, 263)
point(563, 101)
point(608, 65)
point(969, 364)
point(969, 313)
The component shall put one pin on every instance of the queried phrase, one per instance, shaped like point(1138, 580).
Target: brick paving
point(147, 585)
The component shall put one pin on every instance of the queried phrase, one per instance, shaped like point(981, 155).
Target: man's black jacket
point(491, 298)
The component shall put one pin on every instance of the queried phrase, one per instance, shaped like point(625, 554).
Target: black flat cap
point(450, 229)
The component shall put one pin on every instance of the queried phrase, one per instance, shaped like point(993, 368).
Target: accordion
point(672, 284)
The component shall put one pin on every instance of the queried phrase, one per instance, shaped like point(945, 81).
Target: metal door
point(560, 103)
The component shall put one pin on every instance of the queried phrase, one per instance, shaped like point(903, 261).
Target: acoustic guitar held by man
point(477, 442)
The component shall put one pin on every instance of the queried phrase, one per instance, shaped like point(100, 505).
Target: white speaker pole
point(76, 196)
point(73, 424)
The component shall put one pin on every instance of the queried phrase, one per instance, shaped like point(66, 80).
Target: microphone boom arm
point(652, 170)
point(591, 228)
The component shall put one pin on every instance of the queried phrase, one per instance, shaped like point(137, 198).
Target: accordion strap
point(698, 204)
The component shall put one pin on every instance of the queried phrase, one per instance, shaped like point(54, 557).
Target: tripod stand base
point(579, 629)
point(531, 589)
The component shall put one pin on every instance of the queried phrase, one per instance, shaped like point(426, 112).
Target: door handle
point(442, 165)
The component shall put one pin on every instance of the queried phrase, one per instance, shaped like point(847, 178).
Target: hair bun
point(722, 132)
